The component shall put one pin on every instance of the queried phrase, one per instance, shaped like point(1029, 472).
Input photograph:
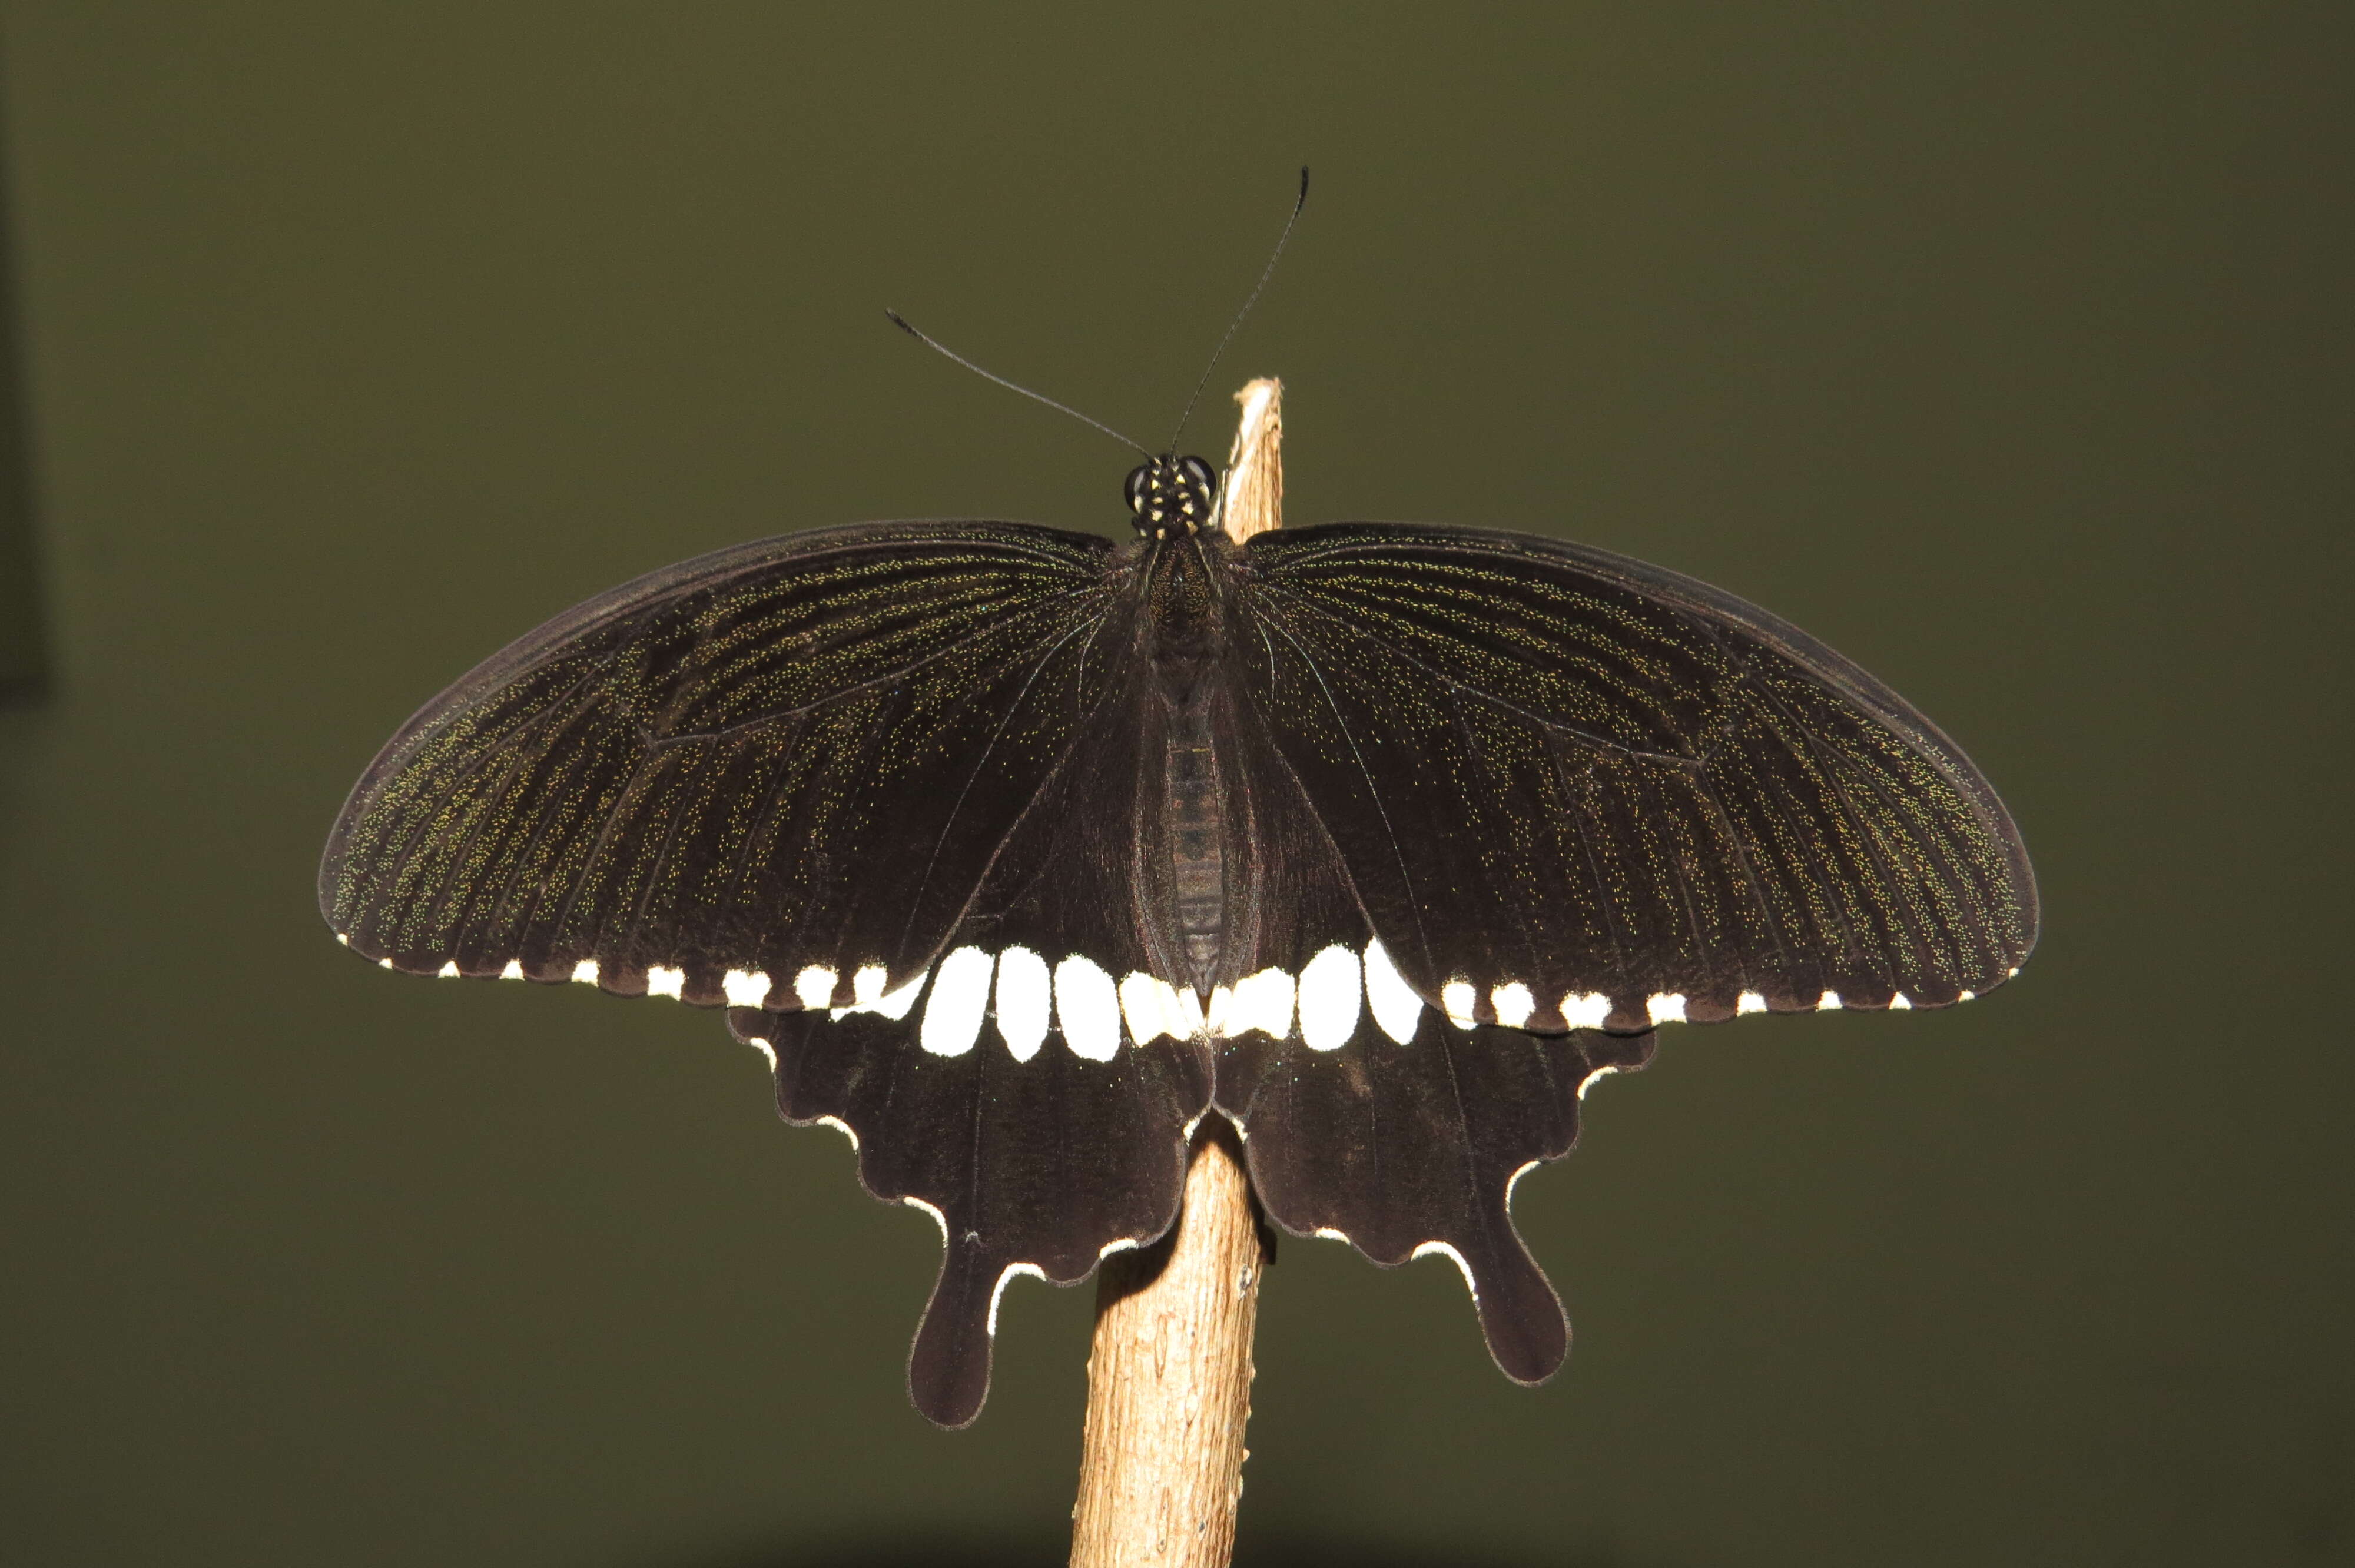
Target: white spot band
point(1332, 999)
point(1396, 1007)
point(1025, 996)
point(1261, 1002)
point(1087, 1007)
point(960, 999)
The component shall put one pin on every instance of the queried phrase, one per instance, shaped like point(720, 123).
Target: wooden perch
point(1170, 1372)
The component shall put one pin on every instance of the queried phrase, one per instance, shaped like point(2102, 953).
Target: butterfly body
point(1019, 853)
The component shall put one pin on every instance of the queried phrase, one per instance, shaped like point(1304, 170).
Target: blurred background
point(2006, 347)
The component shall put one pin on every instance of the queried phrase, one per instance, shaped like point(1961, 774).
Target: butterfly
point(1021, 851)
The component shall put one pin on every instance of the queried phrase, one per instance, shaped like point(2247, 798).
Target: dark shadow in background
point(1253, 1551)
point(24, 662)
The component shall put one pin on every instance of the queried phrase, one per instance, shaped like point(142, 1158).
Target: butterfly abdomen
point(1185, 638)
point(1194, 824)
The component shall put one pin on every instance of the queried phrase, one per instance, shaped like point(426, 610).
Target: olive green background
point(2005, 347)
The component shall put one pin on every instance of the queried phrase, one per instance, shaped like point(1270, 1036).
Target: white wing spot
point(843, 1127)
point(814, 986)
point(1967, 996)
point(448, 970)
point(867, 994)
point(938, 1218)
point(1515, 1180)
point(1006, 1277)
point(1513, 1003)
point(866, 991)
point(1441, 1249)
point(764, 1048)
point(1152, 1009)
point(384, 963)
point(1261, 1002)
point(1087, 1007)
point(1458, 998)
point(664, 980)
point(513, 969)
point(1332, 999)
point(1830, 1002)
point(1593, 1078)
point(1586, 1011)
point(1396, 1007)
point(896, 1005)
point(1899, 1004)
point(1140, 1003)
point(1666, 1007)
point(585, 971)
point(745, 987)
point(959, 1001)
point(1750, 1002)
point(346, 942)
point(1326, 1232)
point(1026, 997)
point(1117, 1243)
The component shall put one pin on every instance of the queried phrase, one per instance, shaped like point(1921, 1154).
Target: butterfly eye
point(1135, 488)
point(1200, 473)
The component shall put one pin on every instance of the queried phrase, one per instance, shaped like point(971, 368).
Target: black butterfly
point(1020, 852)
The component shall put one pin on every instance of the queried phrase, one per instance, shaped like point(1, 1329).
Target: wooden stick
point(1169, 1380)
point(1170, 1372)
point(1252, 500)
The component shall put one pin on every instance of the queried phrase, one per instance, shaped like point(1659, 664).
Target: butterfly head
point(1171, 496)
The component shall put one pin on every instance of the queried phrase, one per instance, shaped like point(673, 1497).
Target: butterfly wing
point(792, 756)
point(1580, 790)
point(854, 783)
point(1502, 788)
point(1368, 1114)
point(1034, 1089)
point(1408, 1148)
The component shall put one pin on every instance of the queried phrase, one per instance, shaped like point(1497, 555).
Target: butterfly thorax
point(1185, 612)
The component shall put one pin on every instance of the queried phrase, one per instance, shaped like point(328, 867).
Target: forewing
point(1556, 774)
point(795, 756)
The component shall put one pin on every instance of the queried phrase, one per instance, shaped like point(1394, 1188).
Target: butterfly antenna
point(1265, 273)
point(937, 347)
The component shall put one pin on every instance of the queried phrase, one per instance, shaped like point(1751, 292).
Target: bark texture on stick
point(1170, 1372)
point(1251, 500)
point(1169, 1380)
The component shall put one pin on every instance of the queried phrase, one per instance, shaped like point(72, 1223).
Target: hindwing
point(1371, 1113)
